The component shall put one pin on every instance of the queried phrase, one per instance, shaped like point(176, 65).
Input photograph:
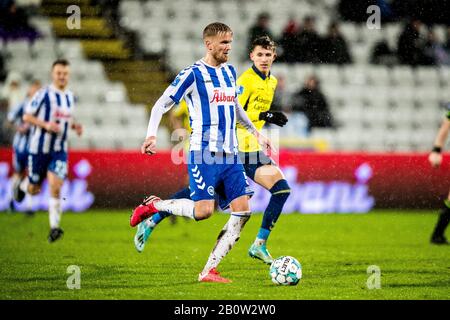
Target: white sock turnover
point(178, 207)
point(54, 210)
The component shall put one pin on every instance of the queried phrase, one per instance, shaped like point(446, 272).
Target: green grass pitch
point(335, 251)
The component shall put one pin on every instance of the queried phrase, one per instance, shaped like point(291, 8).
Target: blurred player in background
point(49, 114)
point(179, 119)
point(20, 142)
point(435, 159)
point(209, 88)
point(256, 88)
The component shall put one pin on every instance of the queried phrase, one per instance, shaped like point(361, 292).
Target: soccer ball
point(286, 271)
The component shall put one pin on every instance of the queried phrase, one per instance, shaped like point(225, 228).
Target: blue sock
point(280, 192)
point(159, 216)
point(263, 234)
point(181, 194)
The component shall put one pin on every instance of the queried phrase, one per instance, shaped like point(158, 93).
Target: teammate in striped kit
point(50, 115)
point(209, 88)
point(20, 142)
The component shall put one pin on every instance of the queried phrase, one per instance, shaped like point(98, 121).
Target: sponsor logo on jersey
point(62, 115)
point(220, 96)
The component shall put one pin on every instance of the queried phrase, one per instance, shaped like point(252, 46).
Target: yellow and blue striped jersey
point(256, 93)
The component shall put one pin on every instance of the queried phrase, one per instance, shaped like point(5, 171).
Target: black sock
point(442, 223)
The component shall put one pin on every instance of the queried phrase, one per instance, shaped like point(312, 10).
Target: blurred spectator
point(411, 45)
point(309, 42)
point(31, 7)
point(12, 93)
point(2, 69)
point(288, 42)
point(311, 101)
point(383, 54)
point(435, 50)
point(14, 23)
point(387, 13)
point(110, 8)
point(427, 11)
point(334, 47)
point(281, 100)
point(351, 10)
point(261, 28)
point(447, 43)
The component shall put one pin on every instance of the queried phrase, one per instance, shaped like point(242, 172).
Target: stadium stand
point(378, 107)
point(112, 118)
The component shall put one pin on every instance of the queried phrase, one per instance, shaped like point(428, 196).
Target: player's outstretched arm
point(244, 120)
point(161, 106)
point(435, 157)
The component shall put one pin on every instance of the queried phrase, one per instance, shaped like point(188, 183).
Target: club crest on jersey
point(221, 97)
point(240, 90)
point(175, 82)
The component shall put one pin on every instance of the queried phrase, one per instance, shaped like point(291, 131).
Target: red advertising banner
point(320, 182)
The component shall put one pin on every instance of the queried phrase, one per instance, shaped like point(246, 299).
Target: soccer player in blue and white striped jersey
point(209, 88)
point(50, 114)
point(20, 141)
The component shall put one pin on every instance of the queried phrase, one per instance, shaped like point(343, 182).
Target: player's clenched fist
point(52, 127)
point(274, 117)
point(78, 128)
point(266, 144)
point(435, 159)
point(149, 146)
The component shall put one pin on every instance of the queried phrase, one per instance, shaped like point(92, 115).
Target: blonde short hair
point(216, 28)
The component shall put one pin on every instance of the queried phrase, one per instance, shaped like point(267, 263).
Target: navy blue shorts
point(252, 161)
point(217, 174)
point(39, 164)
point(20, 161)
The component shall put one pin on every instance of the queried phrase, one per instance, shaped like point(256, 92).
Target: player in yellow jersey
point(256, 91)
point(179, 117)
